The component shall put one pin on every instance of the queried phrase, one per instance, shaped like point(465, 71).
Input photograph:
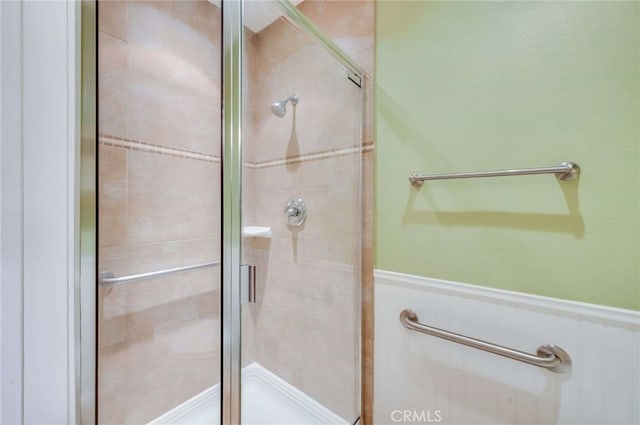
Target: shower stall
point(229, 216)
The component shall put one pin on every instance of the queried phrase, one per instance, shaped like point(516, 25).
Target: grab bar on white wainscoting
point(550, 357)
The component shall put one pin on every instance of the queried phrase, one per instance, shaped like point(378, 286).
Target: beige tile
point(146, 381)
point(112, 302)
point(324, 298)
point(161, 216)
point(112, 18)
point(112, 168)
point(152, 295)
point(311, 276)
point(188, 30)
point(112, 331)
point(288, 349)
point(171, 199)
point(143, 322)
point(327, 116)
point(325, 185)
point(111, 380)
point(112, 195)
point(134, 259)
point(113, 60)
point(209, 304)
point(251, 91)
point(156, 172)
point(113, 225)
point(145, 377)
point(171, 103)
point(279, 41)
point(159, 70)
point(339, 19)
point(169, 23)
point(158, 307)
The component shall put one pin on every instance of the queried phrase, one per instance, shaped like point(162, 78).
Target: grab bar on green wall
point(565, 171)
point(550, 357)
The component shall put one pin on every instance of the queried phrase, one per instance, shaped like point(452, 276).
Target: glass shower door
point(159, 212)
point(185, 197)
point(301, 223)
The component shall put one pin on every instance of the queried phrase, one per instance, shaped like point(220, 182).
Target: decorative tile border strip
point(136, 145)
point(312, 156)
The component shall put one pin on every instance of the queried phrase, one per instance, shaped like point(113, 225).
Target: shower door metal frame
point(232, 39)
point(231, 91)
point(232, 80)
point(86, 342)
point(232, 46)
point(86, 290)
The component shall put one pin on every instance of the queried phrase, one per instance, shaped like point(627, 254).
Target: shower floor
point(267, 400)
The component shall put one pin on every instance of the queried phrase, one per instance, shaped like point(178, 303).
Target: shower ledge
point(256, 231)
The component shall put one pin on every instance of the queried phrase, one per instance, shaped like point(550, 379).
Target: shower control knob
point(295, 211)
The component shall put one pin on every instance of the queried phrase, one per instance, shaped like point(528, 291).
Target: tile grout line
point(139, 146)
point(312, 157)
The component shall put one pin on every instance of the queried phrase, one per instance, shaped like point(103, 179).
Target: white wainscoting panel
point(420, 378)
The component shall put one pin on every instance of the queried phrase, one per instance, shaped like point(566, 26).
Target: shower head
point(279, 108)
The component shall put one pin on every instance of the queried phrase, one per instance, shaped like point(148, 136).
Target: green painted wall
point(466, 86)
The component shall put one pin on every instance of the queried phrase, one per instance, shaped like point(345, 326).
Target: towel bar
point(564, 171)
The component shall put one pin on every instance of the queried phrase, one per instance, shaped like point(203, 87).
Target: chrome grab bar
point(550, 357)
point(564, 171)
point(108, 279)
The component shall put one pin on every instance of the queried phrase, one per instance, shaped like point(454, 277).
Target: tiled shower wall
point(159, 165)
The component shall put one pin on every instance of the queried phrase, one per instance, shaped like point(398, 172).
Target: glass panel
point(159, 210)
point(301, 139)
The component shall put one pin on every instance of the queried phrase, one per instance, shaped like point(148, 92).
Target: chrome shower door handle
point(247, 283)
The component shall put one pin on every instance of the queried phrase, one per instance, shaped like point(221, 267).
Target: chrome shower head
point(279, 108)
